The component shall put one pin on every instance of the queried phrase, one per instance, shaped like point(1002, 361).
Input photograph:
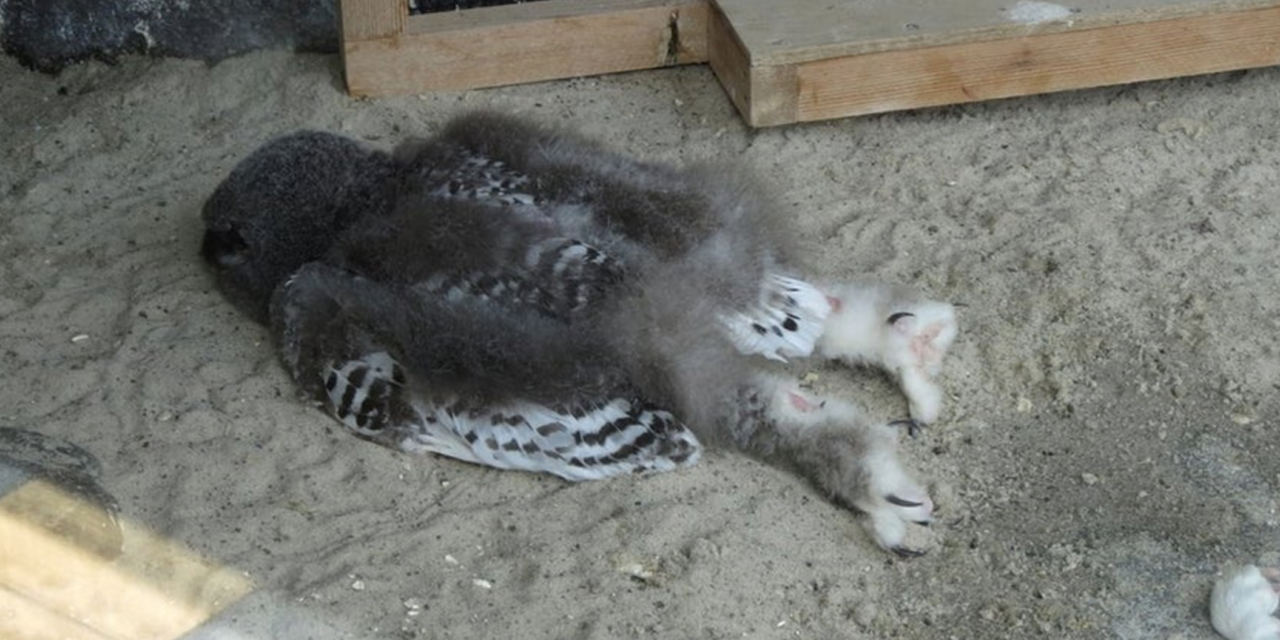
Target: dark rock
point(48, 35)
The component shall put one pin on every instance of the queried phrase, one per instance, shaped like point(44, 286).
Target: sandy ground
point(1109, 440)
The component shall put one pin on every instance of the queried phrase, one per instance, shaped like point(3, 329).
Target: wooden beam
point(521, 43)
point(54, 582)
point(364, 20)
point(813, 59)
point(793, 69)
point(1024, 66)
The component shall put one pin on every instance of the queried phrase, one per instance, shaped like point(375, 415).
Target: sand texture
point(1109, 440)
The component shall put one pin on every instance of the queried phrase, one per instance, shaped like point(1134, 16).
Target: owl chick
point(407, 325)
point(532, 301)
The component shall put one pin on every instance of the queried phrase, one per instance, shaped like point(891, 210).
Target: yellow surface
point(53, 585)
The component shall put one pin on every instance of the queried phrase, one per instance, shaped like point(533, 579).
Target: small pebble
point(1089, 479)
point(865, 614)
point(482, 583)
point(79, 337)
point(414, 605)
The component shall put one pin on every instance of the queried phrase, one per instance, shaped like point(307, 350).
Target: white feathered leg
point(1242, 602)
point(854, 460)
point(897, 331)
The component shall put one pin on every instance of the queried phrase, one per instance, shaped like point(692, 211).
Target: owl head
point(284, 206)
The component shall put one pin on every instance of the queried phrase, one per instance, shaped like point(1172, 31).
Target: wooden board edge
point(372, 19)
point(1045, 63)
point(534, 48)
point(1179, 9)
point(59, 576)
point(729, 61)
point(762, 95)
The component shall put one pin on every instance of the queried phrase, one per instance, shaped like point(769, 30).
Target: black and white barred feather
point(508, 390)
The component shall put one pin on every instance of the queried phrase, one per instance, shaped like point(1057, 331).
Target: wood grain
point(811, 30)
point(1016, 66)
point(816, 59)
point(373, 19)
point(527, 43)
point(51, 583)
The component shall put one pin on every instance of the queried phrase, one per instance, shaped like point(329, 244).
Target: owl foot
point(896, 331)
point(917, 343)
point(1242, 602)
point(857, 463)
point(914, 427)
point(893, 500)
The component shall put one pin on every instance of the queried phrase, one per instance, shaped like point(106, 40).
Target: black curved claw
point(900, 502)
point(900, 315)
point(914, 427)
point(907, 552)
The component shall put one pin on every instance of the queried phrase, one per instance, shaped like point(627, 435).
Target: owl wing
point(565, 182)
point(786, 321)
point(467, 379)
point(461, 249)
point(560, 277)
point(451, 171)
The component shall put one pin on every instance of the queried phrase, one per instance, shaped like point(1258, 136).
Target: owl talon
point(892, 499)
point(894, 330)
point(914, 427)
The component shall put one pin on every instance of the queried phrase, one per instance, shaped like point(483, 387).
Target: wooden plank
point(757, 91)
point(1025, 66)
point(527, 43)
point(811, 74)
point(821, 29)
point(816, 59)
point(153, 590)
point(23, 619)
point(729, 60)
point(373, 19)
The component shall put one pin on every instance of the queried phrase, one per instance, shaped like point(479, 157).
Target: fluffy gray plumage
point(523, 298)
point(282, 206)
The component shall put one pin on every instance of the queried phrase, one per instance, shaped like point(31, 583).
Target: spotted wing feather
point(787, 321)
point(571, 275)
point(449, 171)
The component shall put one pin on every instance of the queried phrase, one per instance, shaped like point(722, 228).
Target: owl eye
point(224, 248)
